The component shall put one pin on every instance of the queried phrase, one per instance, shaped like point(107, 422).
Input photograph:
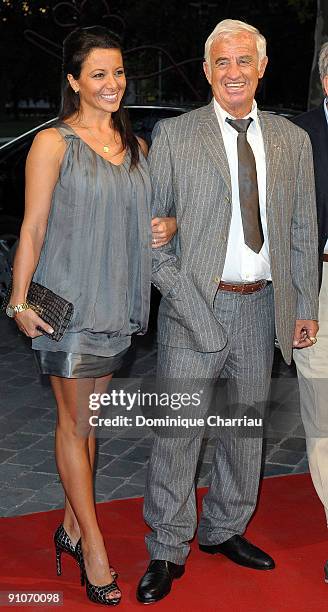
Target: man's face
point(233, 72)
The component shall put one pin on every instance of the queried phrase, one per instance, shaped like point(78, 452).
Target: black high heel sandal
point(97, 594)
point(63, 543)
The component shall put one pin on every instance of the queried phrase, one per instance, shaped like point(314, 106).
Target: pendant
point(106, 149)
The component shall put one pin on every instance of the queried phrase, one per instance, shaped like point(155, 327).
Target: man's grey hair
point(229, 27)
point(323, 62)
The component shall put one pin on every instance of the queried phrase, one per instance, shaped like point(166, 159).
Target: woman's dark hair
point(76, 47)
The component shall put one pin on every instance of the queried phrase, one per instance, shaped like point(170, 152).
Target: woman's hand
point(28, 321)
point(163, 230)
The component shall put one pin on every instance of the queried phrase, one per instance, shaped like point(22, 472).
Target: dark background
point(31, 33)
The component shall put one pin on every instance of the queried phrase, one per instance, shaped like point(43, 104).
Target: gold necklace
point(104, 145)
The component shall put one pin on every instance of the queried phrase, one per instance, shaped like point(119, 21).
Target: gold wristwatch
point(12, 310)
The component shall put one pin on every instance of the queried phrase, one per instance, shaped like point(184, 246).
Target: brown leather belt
point(243, 287)
point(325, 257)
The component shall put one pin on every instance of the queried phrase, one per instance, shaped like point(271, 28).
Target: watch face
point(10, 311)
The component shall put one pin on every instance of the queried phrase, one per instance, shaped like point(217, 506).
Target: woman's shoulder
point(48, 142)
point(49, 137)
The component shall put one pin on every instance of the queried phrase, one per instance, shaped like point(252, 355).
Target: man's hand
point(163, 230)
point(305, 333)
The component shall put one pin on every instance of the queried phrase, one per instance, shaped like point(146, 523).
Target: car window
point(144, 120)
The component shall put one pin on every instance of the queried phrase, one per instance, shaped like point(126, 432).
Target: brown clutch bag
point(52, 308)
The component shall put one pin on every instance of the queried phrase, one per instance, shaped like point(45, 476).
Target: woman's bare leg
point(70, 523)
point(73, 461)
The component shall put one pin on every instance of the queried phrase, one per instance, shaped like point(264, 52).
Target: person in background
point(86, 235)
point(241, 184)
point(312, 365)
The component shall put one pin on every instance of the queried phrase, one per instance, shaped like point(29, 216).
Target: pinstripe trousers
point(170, 501)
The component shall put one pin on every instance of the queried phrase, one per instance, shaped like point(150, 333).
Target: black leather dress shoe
point(241, 551)
point(157, 581)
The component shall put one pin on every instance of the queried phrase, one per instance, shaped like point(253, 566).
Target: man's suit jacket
point(191, 179)
point(315, 124)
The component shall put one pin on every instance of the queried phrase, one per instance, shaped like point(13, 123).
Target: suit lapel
point(273, 150)
point(211, 137)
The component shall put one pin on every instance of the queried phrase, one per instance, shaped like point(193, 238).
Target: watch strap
point(20, 307)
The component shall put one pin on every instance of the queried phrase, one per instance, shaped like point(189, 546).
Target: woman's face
point(102, 82)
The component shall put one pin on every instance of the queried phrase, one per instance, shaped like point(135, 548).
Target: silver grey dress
point(97, 255)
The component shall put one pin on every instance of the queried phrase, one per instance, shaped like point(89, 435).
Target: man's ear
point(263, 65)
point(207, 71)
point(325, 84)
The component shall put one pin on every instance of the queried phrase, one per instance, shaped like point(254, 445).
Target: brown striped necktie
point(248, 189)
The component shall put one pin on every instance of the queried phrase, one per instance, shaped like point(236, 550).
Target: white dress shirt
point(242, 265)
point(326, 113)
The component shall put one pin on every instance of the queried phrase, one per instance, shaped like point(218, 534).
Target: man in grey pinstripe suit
point(222, 298)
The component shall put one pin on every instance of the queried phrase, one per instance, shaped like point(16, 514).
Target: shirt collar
point(325, 102)
point(222, 115)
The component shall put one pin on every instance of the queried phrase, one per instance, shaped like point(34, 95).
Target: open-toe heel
point(97, 594)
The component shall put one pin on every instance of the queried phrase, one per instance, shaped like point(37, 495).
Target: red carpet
point(289, 524)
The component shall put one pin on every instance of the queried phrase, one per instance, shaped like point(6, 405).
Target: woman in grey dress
point(86, 235)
